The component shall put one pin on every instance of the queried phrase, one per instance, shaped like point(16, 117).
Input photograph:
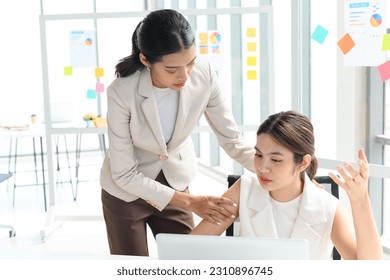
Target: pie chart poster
point(82, 46)
point(366, 22)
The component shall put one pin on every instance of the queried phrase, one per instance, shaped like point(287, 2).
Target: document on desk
point(16, 127)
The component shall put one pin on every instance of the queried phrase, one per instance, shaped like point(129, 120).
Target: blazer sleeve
point(121, 164)
point(221, 121)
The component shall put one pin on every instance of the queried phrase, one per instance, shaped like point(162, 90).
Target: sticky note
point(99, 87)
point(203, 38)
point(91, 94)
point(319, 34)
point(346, 43)
point(251, 47)
point(203, 49)
point(252, 74)
point(251, 32)
point(386, 42)
point(99, 72)
point(384, 71)
point(251, 61)
point(68, 70)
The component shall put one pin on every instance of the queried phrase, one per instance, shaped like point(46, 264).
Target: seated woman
point(283, 202)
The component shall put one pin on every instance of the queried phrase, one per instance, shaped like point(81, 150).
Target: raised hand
point(354, 182)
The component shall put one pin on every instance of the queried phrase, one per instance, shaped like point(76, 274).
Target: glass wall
point(386, 133)
point(237, 43)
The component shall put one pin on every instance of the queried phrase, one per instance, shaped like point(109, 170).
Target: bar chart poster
point(365, 22)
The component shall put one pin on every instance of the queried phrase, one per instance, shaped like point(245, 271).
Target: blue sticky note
point(91, 94)
point(319, 34)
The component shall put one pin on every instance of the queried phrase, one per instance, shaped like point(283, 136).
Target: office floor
point(77, 237)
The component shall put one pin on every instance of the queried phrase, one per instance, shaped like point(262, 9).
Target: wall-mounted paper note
point(251, 32)
point(251, 61)
point(384, 71)
point(252, 74)
point(91, 94)
point(211, 47)
point(68, 70)
point(82, 45)
point(99, 72)
point(366, 22)
point(319, 34)
point(99, 87)
point(346, 43)
point(386, 42)
point(251, 46)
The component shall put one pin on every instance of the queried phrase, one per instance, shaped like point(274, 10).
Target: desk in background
point(52, 223)
point(12, 232)
point(33, 131)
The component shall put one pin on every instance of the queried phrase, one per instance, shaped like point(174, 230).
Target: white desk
point(33, 132)
point(52, 223)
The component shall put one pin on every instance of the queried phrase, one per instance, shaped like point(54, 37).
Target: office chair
point(323, 180)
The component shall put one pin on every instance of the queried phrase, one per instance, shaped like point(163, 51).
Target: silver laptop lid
point(205, 247)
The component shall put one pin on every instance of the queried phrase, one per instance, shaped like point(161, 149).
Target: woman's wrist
point(181, 199)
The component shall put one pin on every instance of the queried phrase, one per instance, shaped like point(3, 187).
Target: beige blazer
point(314, 221)
point(137, 149)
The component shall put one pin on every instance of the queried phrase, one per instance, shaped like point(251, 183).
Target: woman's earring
point(148, 68)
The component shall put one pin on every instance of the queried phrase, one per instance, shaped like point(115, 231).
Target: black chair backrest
point(320, 179)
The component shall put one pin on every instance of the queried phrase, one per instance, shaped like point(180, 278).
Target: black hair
point(295, 132)
point(160, 33)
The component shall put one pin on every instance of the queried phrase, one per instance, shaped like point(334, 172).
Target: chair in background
point(323, 180)
point(12, 232)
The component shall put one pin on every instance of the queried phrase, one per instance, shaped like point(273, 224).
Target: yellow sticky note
point(99, 72)
point(386, 42)
point(251, 32)
point(252, 74)
point(203, 38)
point(251, 61)
point(68, 70)
point(251, 47)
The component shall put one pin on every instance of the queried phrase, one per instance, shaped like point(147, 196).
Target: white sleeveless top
point(313, 219)
point(285, 214)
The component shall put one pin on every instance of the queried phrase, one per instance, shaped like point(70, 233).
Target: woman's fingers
point(362, 156)
point(216, 209)
point(353, 180)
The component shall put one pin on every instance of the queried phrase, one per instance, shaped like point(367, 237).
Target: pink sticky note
point(384, 71)
point(99, 87)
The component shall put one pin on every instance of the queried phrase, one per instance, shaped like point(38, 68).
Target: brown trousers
point(126, 222)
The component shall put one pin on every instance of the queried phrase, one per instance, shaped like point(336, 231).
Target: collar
point(311, 210)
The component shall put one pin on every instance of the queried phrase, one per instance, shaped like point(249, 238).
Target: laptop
point(206, 247)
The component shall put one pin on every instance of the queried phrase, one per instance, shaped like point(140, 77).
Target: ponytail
point(312, 169)
point(130, 64)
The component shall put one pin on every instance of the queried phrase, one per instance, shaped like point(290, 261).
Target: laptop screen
point(206, 247)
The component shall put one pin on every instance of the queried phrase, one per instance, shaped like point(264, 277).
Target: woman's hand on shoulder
point(353, 181)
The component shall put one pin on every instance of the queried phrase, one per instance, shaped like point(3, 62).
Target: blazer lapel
point(182, 114)
point(149, 108)
point(311, 212)
point(259, 201)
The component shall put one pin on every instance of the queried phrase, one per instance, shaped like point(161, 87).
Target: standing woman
point(160, 93)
